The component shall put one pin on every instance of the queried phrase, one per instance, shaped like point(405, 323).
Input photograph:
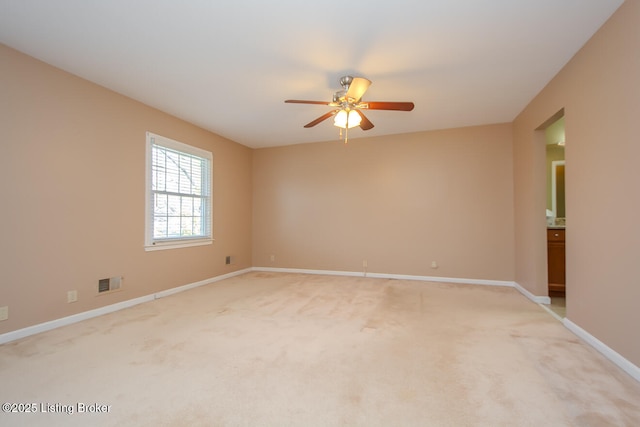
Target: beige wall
point(72, 181)
point(600, 93)
point(399, 202)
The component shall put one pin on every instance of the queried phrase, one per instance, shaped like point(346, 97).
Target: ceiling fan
point(348, 105)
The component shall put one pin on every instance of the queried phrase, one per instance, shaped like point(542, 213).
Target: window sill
point(160, 246)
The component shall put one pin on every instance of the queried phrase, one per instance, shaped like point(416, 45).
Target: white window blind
point(178, 194)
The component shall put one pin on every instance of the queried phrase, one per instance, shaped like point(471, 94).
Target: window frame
point(152, 243)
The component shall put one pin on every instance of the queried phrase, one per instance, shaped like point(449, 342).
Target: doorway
point(556, 214)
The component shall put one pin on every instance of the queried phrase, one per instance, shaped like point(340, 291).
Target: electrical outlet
point(4, 313)
point(272, 258)
point(434, 264)
point(72, 296)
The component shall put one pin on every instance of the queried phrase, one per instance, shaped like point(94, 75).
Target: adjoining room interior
point(179, 249)
point(556, 216)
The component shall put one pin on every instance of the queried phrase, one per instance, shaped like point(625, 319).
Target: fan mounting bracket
point(345, 82)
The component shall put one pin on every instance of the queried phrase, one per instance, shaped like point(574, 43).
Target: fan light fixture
point(347, 120)
point(348, 105)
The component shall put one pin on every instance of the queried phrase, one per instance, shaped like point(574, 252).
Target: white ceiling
point(228, 65)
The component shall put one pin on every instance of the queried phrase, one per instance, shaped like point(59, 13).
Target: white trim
point(388, 276)
point(606, 351)
point(183, 288)
point(535, 298)
point(551, 312)
point(159, 246)
point(305, 271)
point(75, 318)
point(150, 243)
point(441, 279)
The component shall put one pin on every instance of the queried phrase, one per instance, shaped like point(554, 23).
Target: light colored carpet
point(271, 349)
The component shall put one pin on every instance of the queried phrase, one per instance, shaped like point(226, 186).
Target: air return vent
point(110, 284)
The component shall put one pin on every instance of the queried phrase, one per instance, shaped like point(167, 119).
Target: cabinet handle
point(556, 234)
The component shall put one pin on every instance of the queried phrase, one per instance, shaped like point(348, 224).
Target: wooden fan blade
point(357, 88)
point(397, 106)
point(365, 124)
point(299, 101)
point(321, 119)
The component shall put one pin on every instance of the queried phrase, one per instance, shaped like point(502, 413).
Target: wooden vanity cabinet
point(556, 261)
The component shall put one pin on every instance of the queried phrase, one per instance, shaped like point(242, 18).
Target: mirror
point(555, 139)
point(557, 188)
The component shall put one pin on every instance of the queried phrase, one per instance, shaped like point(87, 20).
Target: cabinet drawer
point(555, 235)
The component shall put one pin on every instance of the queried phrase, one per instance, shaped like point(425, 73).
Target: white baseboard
point(172, 291)
point(57, 323)
point(551, 312)
point(442, 279)
point(75, 318)
point(606, 351)
point(389, 276)
point(535, 298)
point(306, 271)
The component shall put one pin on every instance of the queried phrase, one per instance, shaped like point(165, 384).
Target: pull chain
point(346, 129)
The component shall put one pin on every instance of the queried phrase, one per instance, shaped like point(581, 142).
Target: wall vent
point(110, 284)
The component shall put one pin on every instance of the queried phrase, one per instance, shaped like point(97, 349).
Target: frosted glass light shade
point(340, 119)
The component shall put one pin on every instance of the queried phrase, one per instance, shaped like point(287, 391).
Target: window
point(178, 212)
